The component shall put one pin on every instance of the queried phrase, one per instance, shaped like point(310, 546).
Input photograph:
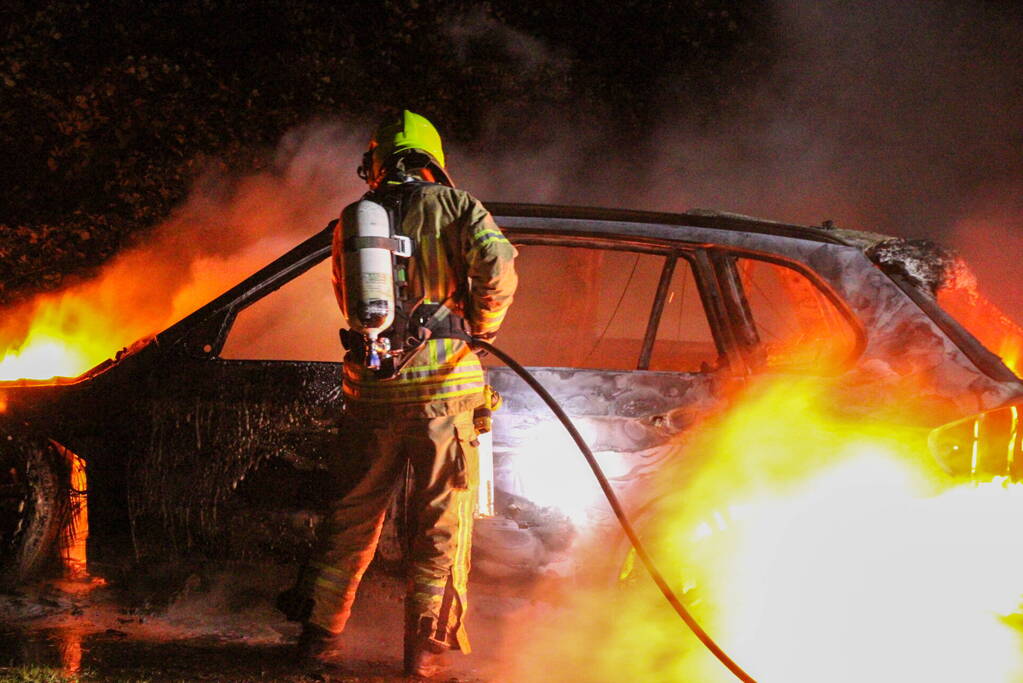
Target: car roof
point(524, 217)
point(701, 218)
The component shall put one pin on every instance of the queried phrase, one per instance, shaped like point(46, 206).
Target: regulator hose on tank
point(616, 506)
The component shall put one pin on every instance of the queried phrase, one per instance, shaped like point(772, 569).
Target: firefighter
point(418, 424)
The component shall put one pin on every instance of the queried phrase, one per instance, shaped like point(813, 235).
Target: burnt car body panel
point(189, 452)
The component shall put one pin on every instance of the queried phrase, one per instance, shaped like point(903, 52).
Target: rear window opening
point(797, 326)
point(579, 307)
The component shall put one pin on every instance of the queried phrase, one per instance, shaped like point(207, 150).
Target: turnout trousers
point(374, 454)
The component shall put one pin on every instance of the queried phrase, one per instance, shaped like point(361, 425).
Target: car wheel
point(33, 503)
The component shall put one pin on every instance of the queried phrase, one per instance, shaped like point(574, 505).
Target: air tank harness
point(427, 321)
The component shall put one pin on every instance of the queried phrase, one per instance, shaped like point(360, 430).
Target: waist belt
point(434, 321)
point(408, 334)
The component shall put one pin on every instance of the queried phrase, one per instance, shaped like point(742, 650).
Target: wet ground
point(220, 626)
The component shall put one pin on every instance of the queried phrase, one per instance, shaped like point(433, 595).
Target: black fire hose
point(612, 499)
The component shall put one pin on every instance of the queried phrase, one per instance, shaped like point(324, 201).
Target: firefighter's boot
point(295, 604)
point(425, 657)
point(318, 650)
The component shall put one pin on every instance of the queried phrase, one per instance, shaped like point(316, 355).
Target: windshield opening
point(960, 298)
point(944, 277)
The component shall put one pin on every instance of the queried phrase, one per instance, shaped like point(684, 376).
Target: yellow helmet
point(410, 132)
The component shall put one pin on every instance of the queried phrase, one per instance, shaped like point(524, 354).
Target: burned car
point(209, 439)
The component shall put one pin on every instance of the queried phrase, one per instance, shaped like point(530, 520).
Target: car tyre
point(34, 495)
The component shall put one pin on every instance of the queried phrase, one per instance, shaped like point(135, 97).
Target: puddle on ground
point(113, 656)
point(219, 627)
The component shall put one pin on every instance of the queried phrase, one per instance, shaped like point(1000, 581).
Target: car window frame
point(749, 342)
point(208, 327)
point(702, 272)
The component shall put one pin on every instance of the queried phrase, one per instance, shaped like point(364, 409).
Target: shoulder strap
point(395, 198)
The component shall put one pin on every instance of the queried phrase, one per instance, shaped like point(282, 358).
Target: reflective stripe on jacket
point(463, 260)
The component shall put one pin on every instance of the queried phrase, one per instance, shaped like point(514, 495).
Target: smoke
point(989, 235)
point(225, 216)
point(477, 35)
point(895, 117)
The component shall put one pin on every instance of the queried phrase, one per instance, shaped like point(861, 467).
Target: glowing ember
point(76, 532)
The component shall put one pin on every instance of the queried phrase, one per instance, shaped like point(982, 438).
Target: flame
point(814, 547)
point(76, 532)
point(849, 580)
point(66, 334)
point(983, 319)
point(547, 471)
point(1010, 350)
point(58, 343)
point(228, 228)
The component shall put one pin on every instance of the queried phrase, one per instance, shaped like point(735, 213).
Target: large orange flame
point(815, 547)
point(228, 228)
point(988, 324)
point(137, 295)
point(58, 343)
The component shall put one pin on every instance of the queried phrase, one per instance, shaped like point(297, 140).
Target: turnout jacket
point(463, 260)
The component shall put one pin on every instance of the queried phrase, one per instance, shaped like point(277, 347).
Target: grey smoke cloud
point(897, 117)
point(899, 111)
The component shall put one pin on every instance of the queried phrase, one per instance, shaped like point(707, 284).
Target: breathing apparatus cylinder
point(368, 295)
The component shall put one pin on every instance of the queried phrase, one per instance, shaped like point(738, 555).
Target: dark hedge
point(111, 109)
